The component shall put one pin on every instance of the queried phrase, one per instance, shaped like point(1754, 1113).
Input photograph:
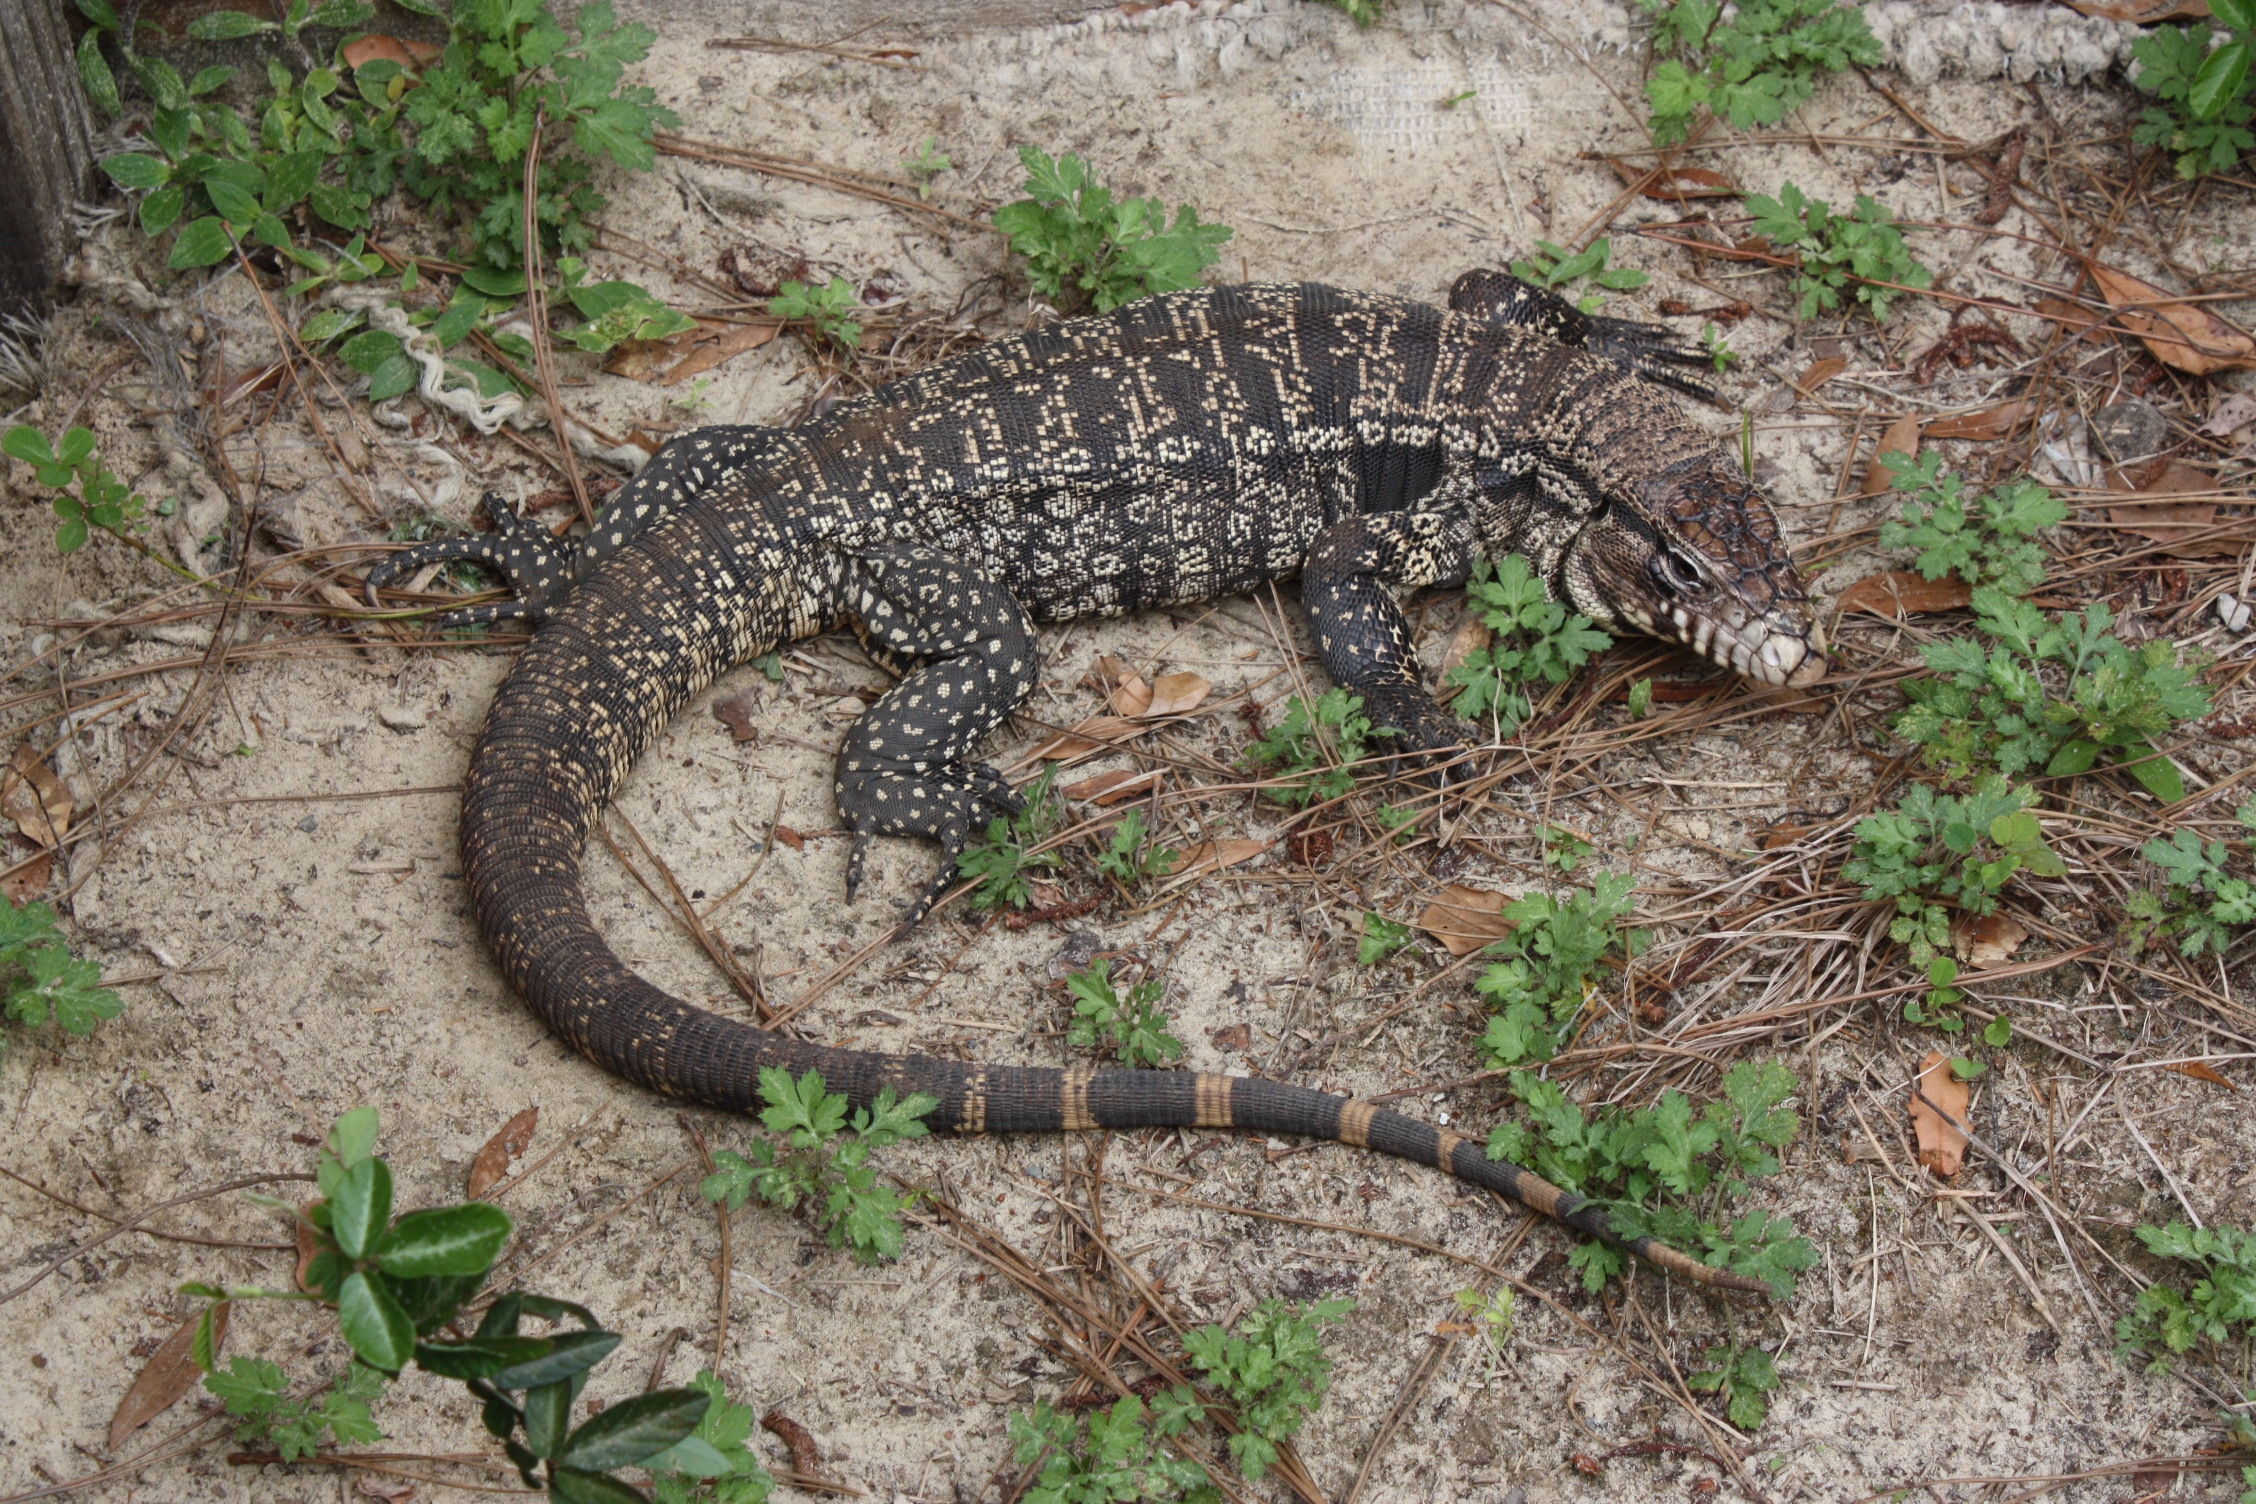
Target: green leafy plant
point(1132, 858)
point(1315, 750)
point(1668, 1171)
point(1363, 12)
point(2166, 1322)
point(1554, 267)
point(1133, 1026)
point(1989, 541)
point(1005, 860)
point(927, 164)
point(1743, 1376)
point(1382, 937)
point(1538, 641)
point(830, 309)
point(41, 982)
point(1538, 985)
point(1272, 1370)
point(1490, 1317)
point(1719, 351)
point(101, 500)
point(615, 311)
point(713, 1464)
point(819, 1168)
point(1112, 1454)
point(1563, 849)
point(1987, 706)
point(398, 1285)
point(1749, 69)
point(1074, 235)
point(2199, 78)
point(1863, 248)
point(1937, 853)
point(2200, 902)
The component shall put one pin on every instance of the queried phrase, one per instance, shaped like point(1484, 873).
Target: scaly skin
point(1187, 446)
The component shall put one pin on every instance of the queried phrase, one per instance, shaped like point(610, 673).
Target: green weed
point(1555, 267)
point(258, 1393)
point(1004, 862)
point(1272, 1370)
point(1363, 12)
point(715, 1463)
point(41, 982)
point(832, 1178)
point(1749, 69)
point(1562, 848)
point(2205, 106)
point(1490, 1317)
point(2200, 902)
point(1990, 541)
point(1839, 253)
point(1112, 1455)
point(1132, 858)
point(1075, 236)
point(2165, 1322)
point(1987, 705)
point(1133, 1026)
point(928, 164)
point(1742, 1375)
point(1538, 641)
point(101, 500)
point(1382, 937)
point(1667, 1171)
point(1538, 985)
point(1316, 749)
point(830, 309)
point(1719, 351)
point(1935, 853)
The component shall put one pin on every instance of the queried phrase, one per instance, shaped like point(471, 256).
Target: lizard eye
point(1674, 573)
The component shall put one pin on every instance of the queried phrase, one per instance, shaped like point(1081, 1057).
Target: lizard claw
point(538, 569)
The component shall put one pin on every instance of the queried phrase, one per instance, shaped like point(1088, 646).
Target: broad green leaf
point(548, 1417)
point(2159, 775)
point(201, 242)
point(227, 25)
point(480, 1357)
point(571, 1485)
point(567, 1353)
point(361, 1207)
point(373, 1323)
point(136, 169)
point(635, 1429)
point(395, 376)
point(2220, 81)
point(161, 209)
point(95, 77)
point(445, 1240)
point(30, 445)
point(367, 351)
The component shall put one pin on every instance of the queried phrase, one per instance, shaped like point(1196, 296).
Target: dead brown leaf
point(1819, 373)
point(1131, 696)
point(2185, 335)
point(2177, 526)
point(1942, 1146)
point(309, 1245)
point(1213, 856)
point(735, 712)
point(1901, 438)
point(1092, 734)
point(2238, 410)
point(1472, 636)
point(1178, 694)
point(1895, 593)
point(1112, 788)
point(33, 797)
point(390, 1490)
point(1237, 1037)
point(1672, 183)
point(675, 359)
point(1988, 939)
point(791, 838)
point(2068, 315)
point(492, 1163)
point(170, 1373)
point(1466, 919)
point(408, 52)
point(2142, 12)
point(29, 882)
point(2200, 1072)
point(1997, 422)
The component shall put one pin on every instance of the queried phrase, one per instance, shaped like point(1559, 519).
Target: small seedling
point(1537, 642)
point(1719, 351)
point(1667, 1171)
point(101, 500)
point(1641, 699)
point(1852, 253)
point(1742, 1375)
point(1112, 1455)
point(2165, 1322)
point(1315, 751)
point(1074, 236)
point(1132, 858)
point(1363, 12)
point(1749, 69)
point(1490, 1318)
point(1134, 1027)
point(1555, 267)
point(1272, 1370)
point(829, 309)
point(1989, 541)
point(1538, 986)
point(2200, 902)
point(1563, 849)
point(928, 164)
point(41, 982)
point(1382, 937)
point(1939, 853)
point(1451, 101)
point(2204, 106)
point(1005, 860)
point(257, 1392)
point(831, 1178)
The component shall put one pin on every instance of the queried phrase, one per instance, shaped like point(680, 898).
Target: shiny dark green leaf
point(445, 1240)
point(361, 1208)
point(635, 1429)
point(378, 1330)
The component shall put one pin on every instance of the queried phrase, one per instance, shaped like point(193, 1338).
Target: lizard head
point(1693, 555)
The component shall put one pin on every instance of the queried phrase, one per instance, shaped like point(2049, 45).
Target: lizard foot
point(1430, 743)
point(951, 804)
point(538, 568)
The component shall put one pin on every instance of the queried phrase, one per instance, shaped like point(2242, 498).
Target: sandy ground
point(293, 892)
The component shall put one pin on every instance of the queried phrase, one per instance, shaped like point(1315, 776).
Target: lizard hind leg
point(906, 768)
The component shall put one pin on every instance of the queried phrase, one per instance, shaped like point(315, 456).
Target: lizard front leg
point(906, 768)
point(1361, 634)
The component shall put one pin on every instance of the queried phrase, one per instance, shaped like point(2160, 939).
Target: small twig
point(536, 296)
point(144, 1215)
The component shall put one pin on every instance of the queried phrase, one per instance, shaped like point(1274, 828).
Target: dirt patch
point(293, 892)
